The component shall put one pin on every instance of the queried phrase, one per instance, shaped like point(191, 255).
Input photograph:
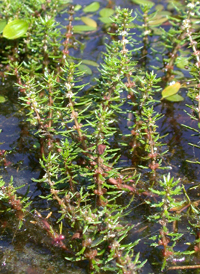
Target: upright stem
point(50, 116)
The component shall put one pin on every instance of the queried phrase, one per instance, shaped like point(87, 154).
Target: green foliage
point(15, 29)
point(167, 212)
point(170, 91)
point(2, 24)
point(15, 204)
point(92, 7)
point(144, 2)
point(82, 135)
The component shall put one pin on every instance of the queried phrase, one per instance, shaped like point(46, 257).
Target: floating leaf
point(90, 63)
point(77, 7)
point(158, 22)
point(89, 22)
point(105, 20)
point(15, 29)
point(170, 90)
point(2, 24)
point(2, 99)
point(181, 62)
point(143, 2)
point(92, 7)
point(85, 69)
point(106, 12)
point(82, 28)
point(175, 98)
point(159, 7)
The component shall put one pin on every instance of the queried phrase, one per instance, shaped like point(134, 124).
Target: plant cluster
point(83, 134)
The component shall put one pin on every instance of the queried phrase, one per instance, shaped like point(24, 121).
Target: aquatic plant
point(99, 146)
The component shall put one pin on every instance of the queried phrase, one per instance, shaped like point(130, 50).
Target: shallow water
point(29, 250)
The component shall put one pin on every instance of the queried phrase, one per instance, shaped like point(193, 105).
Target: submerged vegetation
point(98, 142)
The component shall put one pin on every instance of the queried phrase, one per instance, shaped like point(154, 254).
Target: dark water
point(29, 250)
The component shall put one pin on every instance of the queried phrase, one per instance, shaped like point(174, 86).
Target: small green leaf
point(81, 251)
point(90, 63)
point(159, 7)
point(85, 69)
point(181, 62)
point(82, 28)
point(15, 29)
point(92, 7)
point(77, 7)
point(175, 98)
point(158, 22)
point(143, 2)
point(170, 90)
point(89, 22)
point(105, 20)
point(2, 24)
point(2, 99)
point(106, 12)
